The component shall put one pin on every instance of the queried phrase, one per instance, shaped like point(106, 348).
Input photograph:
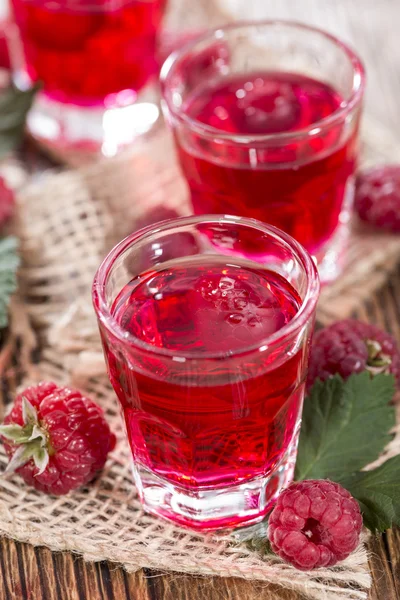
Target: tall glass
point(266, 117)
point(206, 324)
point(96, 60)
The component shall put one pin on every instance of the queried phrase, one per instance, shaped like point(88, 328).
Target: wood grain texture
point(28, 573)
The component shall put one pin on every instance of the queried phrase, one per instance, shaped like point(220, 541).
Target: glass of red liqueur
point(266, 117)
point(206, 324)
point(98, 66)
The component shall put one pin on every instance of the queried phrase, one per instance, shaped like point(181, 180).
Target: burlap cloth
point(66, 223)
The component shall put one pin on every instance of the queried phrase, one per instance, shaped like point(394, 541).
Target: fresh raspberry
point(377, 198)
point(352, 346)
point(56, 438)
point(315, 523)
point(7, 201)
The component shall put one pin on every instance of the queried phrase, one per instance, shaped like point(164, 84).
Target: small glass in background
point(266, 117)
point(98, 65)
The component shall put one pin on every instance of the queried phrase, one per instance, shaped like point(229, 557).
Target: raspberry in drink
point(299, 186)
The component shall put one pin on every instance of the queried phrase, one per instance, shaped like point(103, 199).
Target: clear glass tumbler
point(206, 324)
point(97, 62)
point(266, 117)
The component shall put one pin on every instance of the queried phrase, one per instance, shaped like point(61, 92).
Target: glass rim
point(302, 316)
point(217, 34)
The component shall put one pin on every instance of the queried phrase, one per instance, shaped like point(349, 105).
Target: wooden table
point(38, 574)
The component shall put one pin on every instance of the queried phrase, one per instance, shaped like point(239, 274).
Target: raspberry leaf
point(37, 433)
point(9, 262)
point(345, 425)
point(29, 413)
point(255, 538)
point(378, 362)
point(378, 494)
point(14, 107)
point(19, 458)
point(41, 456)
point(22, 455)
point(29, 431)
point(15, 433)
point(30, 438)
point(35, 449)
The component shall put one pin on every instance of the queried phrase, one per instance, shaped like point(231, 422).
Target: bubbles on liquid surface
point(206, 307)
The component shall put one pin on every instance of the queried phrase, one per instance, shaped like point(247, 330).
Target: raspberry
point(56, 438)
point(351, 346)
point(6, 202)
point(314, 523)
point(377, 198)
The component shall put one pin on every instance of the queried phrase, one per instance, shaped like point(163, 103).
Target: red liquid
point(196, 422)
point(298, 186)
point(85, 50)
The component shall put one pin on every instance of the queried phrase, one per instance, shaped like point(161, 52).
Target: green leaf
point(15, 433)
point(41, 458)
point(29, 413)
point(35, 450)
point(255, 538)
point(9, 262)
point(21, 456)
point(378, 493)
point(345, 425)
point(14, 106)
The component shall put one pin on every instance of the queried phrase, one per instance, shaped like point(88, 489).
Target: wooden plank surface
point(28, 573)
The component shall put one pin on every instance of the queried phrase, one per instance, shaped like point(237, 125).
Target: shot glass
point(206, 324)
point(97, 63)
point(266, 117)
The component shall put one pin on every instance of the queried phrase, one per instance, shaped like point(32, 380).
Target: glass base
point(92, 130)
point(204, 509)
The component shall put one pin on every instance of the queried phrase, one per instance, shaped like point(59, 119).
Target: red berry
point(69, 438)
point(351, 346)
point(7, 201)
point(315, 523)
point(377, 198)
